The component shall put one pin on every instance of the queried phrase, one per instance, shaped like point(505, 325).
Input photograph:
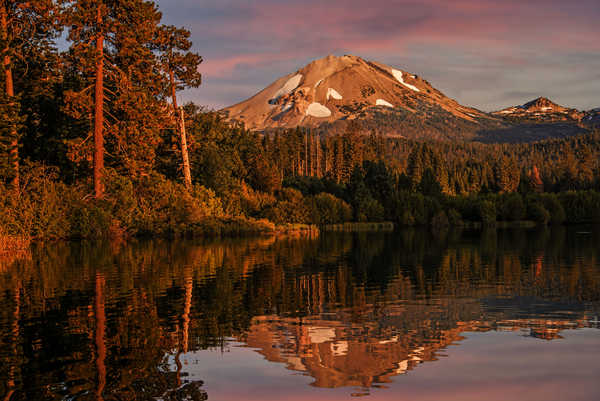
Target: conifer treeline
point(460, 168)
point(93, 142)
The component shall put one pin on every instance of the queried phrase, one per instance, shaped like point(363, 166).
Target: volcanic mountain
point(330, 92)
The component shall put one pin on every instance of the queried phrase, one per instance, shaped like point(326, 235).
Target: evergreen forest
point(94, 143)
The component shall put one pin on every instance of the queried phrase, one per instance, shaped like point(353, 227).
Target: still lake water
point(511, 314)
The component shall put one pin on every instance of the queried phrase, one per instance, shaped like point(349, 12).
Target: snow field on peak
point(399, 76)
point(334, 94)
point(318, 83)
point(318, 110)
point(288, 87)
point(381, 102)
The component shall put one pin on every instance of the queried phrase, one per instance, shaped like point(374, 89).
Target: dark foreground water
point(507, 315)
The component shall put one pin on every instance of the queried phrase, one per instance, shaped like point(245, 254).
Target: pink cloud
point(256, 42)
point(278, 30)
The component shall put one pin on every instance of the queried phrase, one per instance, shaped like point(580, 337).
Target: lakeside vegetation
point(93, 144)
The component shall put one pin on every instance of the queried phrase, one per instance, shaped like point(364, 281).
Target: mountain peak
point(542, 109)
point(337, 89)
point(541, 103)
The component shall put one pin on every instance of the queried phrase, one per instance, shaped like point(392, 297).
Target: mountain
point(538, 119)
point(540, 109)
point(330, 92)
point(592, 118)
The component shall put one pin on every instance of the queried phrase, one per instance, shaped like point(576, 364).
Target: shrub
point(554, 208)
point(454, 218)
point(41, 208)
point(327, 209)
point(538, 213)
point(512, 207)
point(440, 220)
point(487, 213)
point(371, 210)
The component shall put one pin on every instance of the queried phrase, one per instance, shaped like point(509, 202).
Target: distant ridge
point(541, 109)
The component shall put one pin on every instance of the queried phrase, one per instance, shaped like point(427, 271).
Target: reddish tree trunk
point(180, 124)
point(99, 111)
point(10, 92)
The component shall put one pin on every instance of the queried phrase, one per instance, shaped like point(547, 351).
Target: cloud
point(477, 38)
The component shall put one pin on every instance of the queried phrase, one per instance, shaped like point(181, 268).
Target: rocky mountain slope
point(592, 118)
point(335, 90)
point(329, 93)
point(540, 109)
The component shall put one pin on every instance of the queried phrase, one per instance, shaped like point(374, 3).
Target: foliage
point(241, 180)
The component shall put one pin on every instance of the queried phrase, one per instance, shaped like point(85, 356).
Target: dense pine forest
point(93, 143)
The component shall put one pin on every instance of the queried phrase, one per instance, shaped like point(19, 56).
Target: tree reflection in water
point(112, 321)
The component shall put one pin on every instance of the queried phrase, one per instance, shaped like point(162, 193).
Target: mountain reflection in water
point(349, 311)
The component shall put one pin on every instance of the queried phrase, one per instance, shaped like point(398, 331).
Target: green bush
point(327, 209)
point(440, 220)
point(538, 213)
point(554, 207)
point(41, 208)
point(511, 207)
point(454, 218)
point(487, 213)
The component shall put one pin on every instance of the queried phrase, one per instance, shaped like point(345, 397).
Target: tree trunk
point(187, 175)
point(180, 126)
point(318, 141)
point(306, 154)
point(99, 111)
point(10, 93)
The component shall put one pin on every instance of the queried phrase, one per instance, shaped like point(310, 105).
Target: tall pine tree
point(181, 67)
point(24, 25)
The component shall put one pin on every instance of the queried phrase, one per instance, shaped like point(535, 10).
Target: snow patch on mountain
point(333, 94)
point(318, 82)
point(381, 102)
point(399, 76)
point(288, 87)
point(318, 110)
point(286, 107)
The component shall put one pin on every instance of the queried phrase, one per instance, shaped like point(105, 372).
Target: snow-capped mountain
point(331, 91)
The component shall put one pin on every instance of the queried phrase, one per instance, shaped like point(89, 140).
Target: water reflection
point(125, 321)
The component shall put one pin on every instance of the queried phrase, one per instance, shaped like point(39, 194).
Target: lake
point(471, 315)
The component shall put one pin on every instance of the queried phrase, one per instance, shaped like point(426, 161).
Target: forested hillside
point(93, 143)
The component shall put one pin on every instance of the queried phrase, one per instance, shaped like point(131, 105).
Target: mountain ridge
point(328, 93)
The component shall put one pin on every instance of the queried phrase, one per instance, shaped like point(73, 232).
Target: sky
point(487, 54)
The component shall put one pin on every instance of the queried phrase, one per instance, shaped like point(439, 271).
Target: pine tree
point(113, 47)
point(24, 25)
point(181, 67)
